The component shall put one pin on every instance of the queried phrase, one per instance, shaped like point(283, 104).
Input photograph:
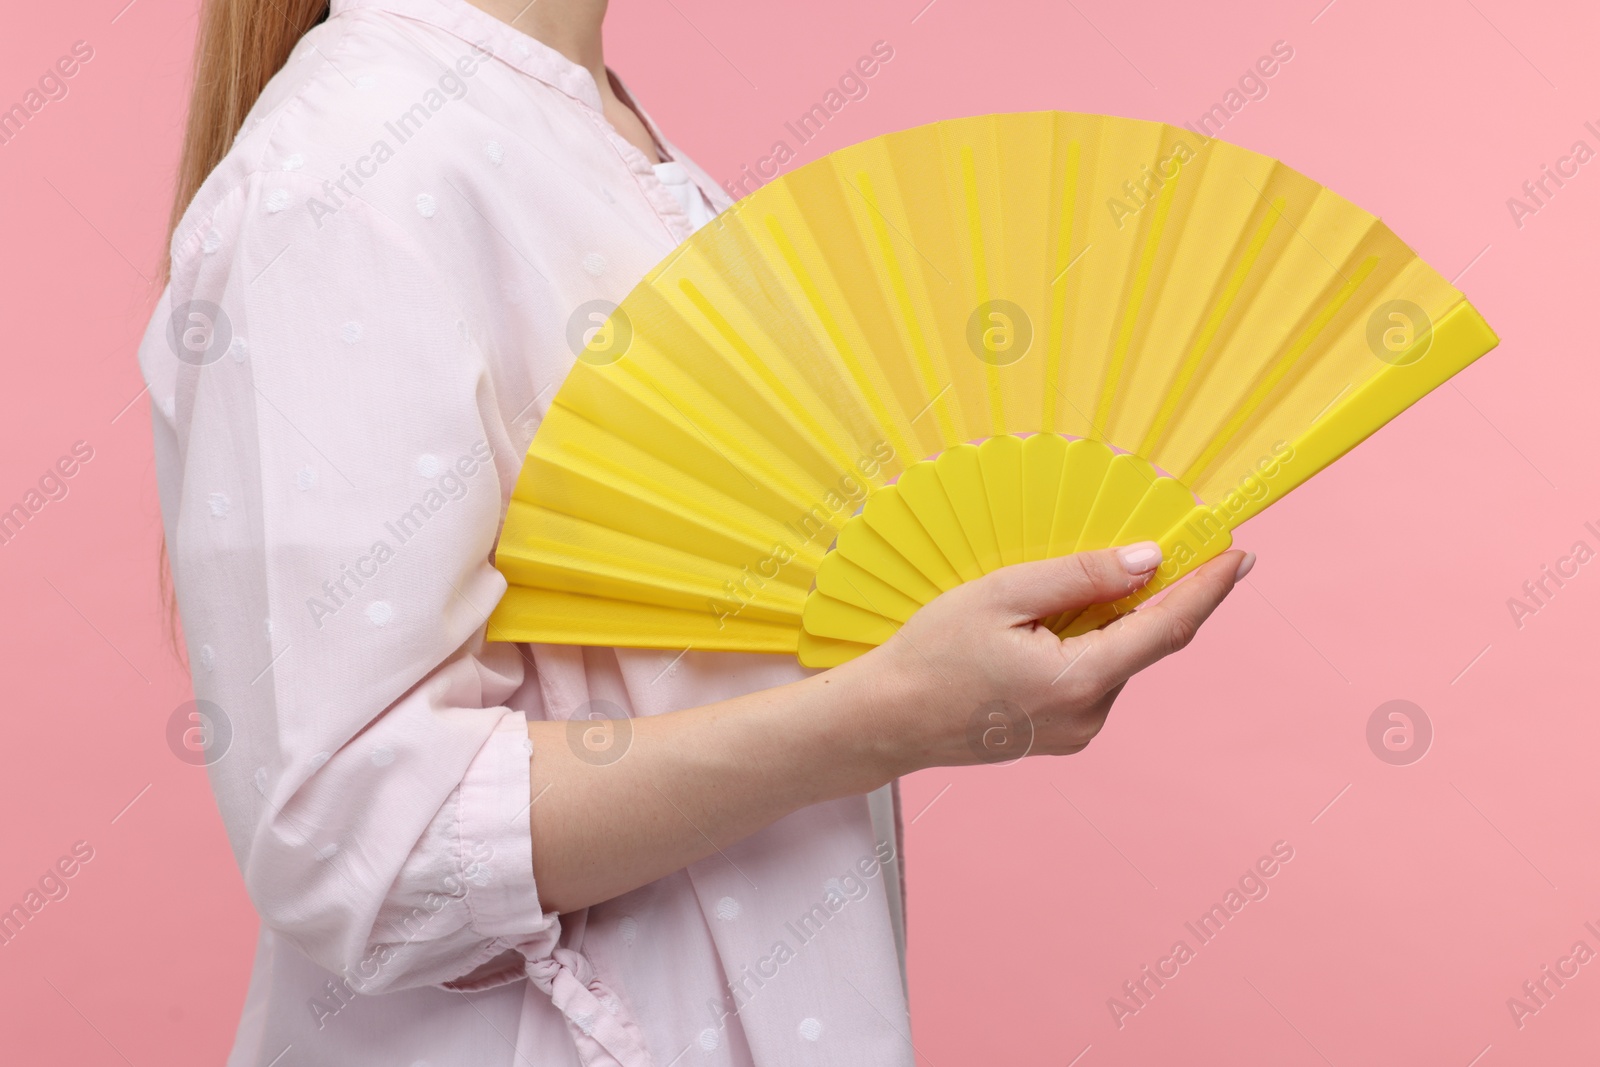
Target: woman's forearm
point(694, 781)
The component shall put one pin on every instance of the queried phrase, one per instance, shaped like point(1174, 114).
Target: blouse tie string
point(601, 1028)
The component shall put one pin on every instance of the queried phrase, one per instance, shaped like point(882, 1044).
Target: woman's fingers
point(1140, 638)
point(1046, 587)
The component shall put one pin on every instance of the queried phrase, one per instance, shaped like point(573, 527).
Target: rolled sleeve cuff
point(496, 841)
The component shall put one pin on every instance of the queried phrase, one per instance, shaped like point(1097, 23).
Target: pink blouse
point(373, 301)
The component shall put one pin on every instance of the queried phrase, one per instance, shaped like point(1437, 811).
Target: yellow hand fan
point(944, 350)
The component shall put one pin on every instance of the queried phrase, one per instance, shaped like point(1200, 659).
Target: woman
point(370, 303)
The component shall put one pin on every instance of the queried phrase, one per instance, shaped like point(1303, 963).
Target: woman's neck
point(572, 27)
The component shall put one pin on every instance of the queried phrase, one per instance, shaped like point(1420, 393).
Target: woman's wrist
point(865, 701)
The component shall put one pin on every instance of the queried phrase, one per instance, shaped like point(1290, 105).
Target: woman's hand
point(973, 678)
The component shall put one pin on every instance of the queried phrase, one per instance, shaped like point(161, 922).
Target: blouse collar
point(508, 44)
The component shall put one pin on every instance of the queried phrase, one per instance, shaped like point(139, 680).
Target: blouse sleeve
point(333, 481)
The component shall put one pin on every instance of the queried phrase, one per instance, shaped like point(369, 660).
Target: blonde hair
point(240, 46)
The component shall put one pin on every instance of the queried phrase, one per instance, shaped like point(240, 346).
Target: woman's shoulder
point(355, 90)
point(319, 187)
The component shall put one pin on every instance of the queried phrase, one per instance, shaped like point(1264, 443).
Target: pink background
point(1415, 905)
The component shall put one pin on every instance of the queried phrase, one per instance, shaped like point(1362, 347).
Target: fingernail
point(1141, 557)
point(1244, 566)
